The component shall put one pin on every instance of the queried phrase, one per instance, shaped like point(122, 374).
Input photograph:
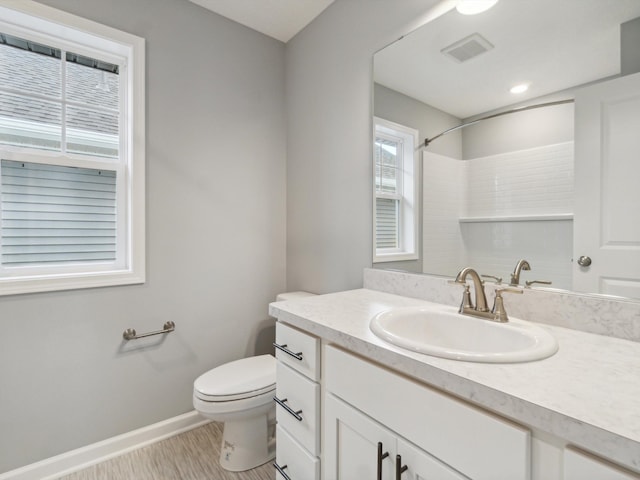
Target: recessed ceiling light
point(523, 87)
point(472, 7)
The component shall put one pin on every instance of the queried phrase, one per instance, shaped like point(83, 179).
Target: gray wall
point(329, 145)
point(519, 131)
point(215, 244)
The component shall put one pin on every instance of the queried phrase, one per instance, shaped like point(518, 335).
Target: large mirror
point(555, 185)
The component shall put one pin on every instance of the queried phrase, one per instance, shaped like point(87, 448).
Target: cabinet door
point(351, 444)
point(580, 466)
point(422, 466)
point(447, 428)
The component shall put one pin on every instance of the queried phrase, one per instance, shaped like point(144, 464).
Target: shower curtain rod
point(427, 141)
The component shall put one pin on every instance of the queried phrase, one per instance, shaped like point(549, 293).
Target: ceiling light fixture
point(523, 87)
point(473, 7)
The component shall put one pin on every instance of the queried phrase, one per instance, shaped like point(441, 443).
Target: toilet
point(240, 394)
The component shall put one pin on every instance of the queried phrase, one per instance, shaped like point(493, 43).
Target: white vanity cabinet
point(365, 394)
point(297, 404)
point(582, 466)
point(431, 431)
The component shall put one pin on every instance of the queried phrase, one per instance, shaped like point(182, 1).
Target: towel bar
point(130, 333)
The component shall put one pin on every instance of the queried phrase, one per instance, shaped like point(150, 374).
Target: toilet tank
point(293, 295)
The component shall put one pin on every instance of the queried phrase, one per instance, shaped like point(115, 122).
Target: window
point(72, 153)
point(395, 209)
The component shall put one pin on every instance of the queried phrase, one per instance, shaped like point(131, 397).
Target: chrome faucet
point(497, 313)
point(515, 276)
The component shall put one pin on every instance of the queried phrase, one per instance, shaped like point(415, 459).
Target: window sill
point(394, 257)
point(49, 283)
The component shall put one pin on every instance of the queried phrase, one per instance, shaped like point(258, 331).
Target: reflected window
point(395, 209)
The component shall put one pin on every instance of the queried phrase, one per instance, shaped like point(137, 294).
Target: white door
point(607, 188)
point(351, 445)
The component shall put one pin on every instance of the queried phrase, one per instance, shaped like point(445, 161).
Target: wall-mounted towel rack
point(130, 333)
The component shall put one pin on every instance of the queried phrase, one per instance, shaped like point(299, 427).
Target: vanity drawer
point(298, 411)
point(476, 443)
point(299, 350)
point(294, 460)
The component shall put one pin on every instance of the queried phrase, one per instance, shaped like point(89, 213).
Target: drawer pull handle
point(284, 405)
point(400, 469)
point(283, 348)
point(381, 456)
point(281, 470)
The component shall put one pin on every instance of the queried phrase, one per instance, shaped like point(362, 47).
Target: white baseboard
point(69, 462)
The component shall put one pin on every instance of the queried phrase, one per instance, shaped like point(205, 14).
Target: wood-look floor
point(192, 455)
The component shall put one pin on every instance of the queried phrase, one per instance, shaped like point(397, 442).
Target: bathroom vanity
point(370, 409)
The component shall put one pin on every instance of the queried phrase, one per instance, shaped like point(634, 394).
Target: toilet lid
point(243, 378)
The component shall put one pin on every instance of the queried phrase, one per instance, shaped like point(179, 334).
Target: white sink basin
point(443, 332)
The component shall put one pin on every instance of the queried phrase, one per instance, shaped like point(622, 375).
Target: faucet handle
point(498, 280)
point(528, 283)
point(466, 296)
point(500, 314)
point(499, 291)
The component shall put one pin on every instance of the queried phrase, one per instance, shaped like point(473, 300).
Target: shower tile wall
point(526, 182)
point(443, 194)
point(536, 181)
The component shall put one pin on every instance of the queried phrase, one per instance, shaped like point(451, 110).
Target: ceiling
point(280, 19)
point(550, 44)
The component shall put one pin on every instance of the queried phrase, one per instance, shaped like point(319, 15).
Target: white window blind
point(55, 214)
point(386, 223)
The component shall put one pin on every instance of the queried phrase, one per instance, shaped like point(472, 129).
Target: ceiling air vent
point(467, 48)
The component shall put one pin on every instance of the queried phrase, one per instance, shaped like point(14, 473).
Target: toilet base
point(247, 443)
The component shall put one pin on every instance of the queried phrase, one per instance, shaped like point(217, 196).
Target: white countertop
point(588, 393)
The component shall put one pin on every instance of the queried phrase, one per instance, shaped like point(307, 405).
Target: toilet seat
point(242, 379)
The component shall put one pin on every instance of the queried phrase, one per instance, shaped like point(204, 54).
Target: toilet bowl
point(240, 394)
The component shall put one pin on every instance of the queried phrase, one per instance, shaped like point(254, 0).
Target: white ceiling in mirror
point(553, 44)
point(280, 19)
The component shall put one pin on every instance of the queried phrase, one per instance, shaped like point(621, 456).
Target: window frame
point(408, 196)
point(52, 27)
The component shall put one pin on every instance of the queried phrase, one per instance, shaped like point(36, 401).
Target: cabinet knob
point(400, 469)
point(381, 456)
point(584, 261)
